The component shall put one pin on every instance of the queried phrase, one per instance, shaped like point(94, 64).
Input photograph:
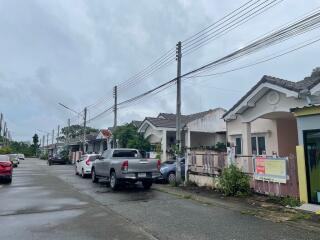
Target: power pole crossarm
point(178, 113)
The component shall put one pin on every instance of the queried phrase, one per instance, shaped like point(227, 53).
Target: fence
point(211, 164)
point(207, 163)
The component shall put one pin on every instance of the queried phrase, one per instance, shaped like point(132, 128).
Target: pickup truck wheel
point(114, 183)
point(93, 176)
point(146, 184)
point(9, 180)
point(172, 178)
point(75, 171)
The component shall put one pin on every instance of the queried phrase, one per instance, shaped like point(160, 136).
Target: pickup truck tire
point(93, 176)
point(171, 178)
point(146, 184)
point(75, 171)
point(114, 182)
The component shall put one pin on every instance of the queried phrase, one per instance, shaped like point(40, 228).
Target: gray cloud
point(75, 52)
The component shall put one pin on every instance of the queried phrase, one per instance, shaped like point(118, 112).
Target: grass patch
point(284, 201)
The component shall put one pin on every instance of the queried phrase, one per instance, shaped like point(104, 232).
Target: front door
point(312, 152)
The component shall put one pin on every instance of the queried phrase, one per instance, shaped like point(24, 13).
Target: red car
point(5, 168)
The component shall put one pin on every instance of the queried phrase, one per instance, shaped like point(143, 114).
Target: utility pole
point(47, 140)
point(52, 136)
point(1, 117)
point(84, 129)
point(5, 133)
point(58, 133)
point(43, 141)
point(68, 133)
point(115, 109)
point(178, 113)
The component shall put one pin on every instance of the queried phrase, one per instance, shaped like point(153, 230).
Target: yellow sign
point(270, 169)
point(275, 167)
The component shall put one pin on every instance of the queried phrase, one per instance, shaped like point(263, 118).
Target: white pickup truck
point(123, 165)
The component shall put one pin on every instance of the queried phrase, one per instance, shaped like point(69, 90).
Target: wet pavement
point(51, 202)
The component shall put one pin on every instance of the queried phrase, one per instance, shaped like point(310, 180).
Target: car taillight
point(88, 161)
point(158, 164)
point(125, 165)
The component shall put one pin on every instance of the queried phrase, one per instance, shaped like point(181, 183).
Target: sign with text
point(270, 169)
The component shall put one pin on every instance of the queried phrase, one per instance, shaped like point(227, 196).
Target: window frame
point(236, 145)
point(256, 137)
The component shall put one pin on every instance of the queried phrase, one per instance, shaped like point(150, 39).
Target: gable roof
point(168, 120)
point(306, 84)
point(136, 123)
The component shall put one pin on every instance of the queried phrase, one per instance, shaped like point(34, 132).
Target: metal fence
point(207, 163)
point(211, 164)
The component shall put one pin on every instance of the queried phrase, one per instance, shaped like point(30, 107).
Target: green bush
point(234, 182)
point(285, 201)
point(44, 156)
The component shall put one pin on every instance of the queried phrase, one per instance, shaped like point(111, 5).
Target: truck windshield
point(125, 154)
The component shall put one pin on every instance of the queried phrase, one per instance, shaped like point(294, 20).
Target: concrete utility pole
point(52, 139)
point(43, 140)
point(58, 133)
point(84, 129)
point(178, 112)
point(5, 134)
point(115, 109)
point(47, 140)
point(68, 133)
point(1, 117)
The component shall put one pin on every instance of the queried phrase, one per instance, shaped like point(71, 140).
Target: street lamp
point(70, 109)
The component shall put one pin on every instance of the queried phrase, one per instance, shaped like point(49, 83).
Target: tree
point(35, 139)
point(75, 131)
point(129, 137)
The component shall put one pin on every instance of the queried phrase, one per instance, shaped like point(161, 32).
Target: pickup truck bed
point(120, 166)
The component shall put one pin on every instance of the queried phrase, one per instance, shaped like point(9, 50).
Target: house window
point(238, 146)
point(258, 144)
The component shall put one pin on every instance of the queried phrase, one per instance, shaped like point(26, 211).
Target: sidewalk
point(255, 205)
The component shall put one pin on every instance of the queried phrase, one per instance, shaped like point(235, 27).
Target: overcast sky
point(75, 51)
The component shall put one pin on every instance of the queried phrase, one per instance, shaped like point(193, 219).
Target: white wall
point(260, 126)
point(212, 122)
point(311, 122)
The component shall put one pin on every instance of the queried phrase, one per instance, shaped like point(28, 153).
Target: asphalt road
point(50, 202)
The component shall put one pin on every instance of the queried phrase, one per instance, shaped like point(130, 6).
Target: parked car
point(84, 164)
point(6, 168)
point(57, 159)
point(14, 159)
point(21, 156)
point(168, 170)
point(122, 165)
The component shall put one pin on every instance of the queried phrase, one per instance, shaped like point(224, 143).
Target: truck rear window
point(125, 154)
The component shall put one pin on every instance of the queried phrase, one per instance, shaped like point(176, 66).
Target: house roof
point(168, 120)
point(92, 136)
point(305, 84)
point(136, 123)
point(106, 133)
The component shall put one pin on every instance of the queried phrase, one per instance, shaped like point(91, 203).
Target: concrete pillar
point(188, 138)
point(246, 139)
point(188, 145)
point(164, 145)
point(246, 146)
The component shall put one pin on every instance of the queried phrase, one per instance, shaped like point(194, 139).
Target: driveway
point(51, 202)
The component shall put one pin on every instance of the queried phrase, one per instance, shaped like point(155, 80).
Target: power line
point(267, 59)
point(299, 27)
point(222, 31)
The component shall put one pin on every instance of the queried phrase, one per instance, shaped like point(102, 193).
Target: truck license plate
point(142, 174)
